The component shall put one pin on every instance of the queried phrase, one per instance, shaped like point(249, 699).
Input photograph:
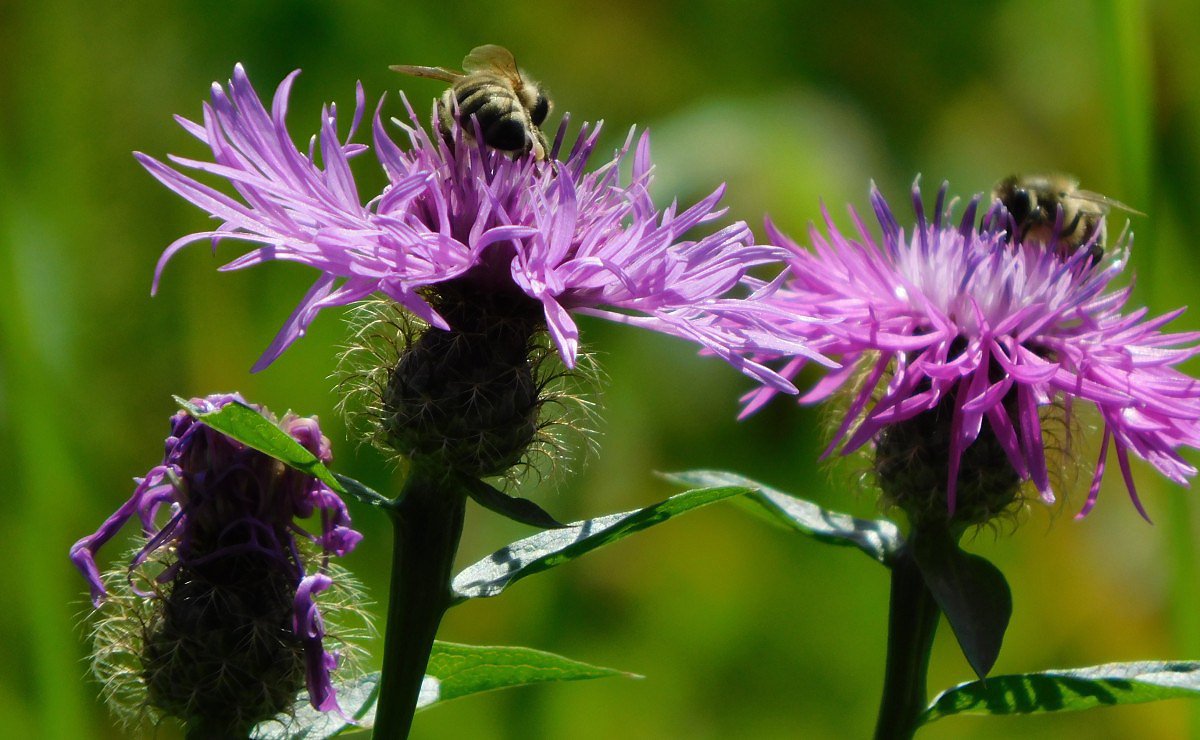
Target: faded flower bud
point(216, 623)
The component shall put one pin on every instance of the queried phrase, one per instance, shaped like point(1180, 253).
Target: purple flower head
point(220, 522)
point(459, 214)
point(963, 324)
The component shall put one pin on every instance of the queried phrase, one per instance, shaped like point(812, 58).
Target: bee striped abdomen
point(501, 117)
point(491, 98)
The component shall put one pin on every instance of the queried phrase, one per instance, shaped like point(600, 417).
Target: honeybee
point(508, 106)
point(1035, 200)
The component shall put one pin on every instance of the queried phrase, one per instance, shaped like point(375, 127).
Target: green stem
point(428, 521)
point(912, 621)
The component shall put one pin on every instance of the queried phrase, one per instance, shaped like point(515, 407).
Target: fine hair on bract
point(564, 435)
point(132, 619)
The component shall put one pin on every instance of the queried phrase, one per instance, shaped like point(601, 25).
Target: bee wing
point(1105, 201)
point(436, 73)
point(493, 58)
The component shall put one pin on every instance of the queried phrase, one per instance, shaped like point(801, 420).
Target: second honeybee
point(507, 106)
point(1034, 202)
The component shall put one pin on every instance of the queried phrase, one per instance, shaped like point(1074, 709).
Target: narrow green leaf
point(454, 671)
point(518, 509)
point(460, 670)
point(361, 491)
point(544, 550)
point(243, 423)
point(972, 593)
point(1069, 690)
point(356, 698)
point(878, 538)
point(248, 426)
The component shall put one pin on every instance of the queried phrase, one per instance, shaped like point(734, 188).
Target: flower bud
point(466, 399)
point(912, 464)
point(216, 622)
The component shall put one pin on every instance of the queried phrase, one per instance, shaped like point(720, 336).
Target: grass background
point(742, 630)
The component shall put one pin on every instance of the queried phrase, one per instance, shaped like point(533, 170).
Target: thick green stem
point(912, 620)
point(428, 521)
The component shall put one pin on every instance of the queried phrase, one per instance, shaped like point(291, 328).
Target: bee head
point(540, 109)
point(1020, 203)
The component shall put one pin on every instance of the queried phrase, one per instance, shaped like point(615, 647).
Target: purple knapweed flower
point(233, 573)
point(458, 213)
point(961, 337)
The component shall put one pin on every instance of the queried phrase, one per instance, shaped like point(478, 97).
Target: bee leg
point(541, 149)
point(1070, 228)
point(1097, 250)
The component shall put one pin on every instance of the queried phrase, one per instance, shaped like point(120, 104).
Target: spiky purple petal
point(572, 239)
point(960, 311)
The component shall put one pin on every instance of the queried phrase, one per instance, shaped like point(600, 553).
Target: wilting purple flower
point(231, 516)
point(959, 315)
point(576, 241)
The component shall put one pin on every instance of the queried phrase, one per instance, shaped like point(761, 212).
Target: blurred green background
point(741, 630)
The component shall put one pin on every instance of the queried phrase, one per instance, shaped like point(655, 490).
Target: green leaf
point(1069, 690)
point(454, 671)
point(361, 491)
point(248, 426)
point(878, 538)
point(972, 593)
point(356, 698)
point(461, 670)
point(545, 550)
point(518, 509)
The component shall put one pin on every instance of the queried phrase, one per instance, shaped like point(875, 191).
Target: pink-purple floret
point(576, 241)
point(263, 520)
point(590, 243)
point(956, 309)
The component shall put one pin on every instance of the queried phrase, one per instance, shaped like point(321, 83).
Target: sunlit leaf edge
point(879, 539)
point(457, 668)
point(545, 550)
point(1091, 687)
point(454, 673)
point(357, 699)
